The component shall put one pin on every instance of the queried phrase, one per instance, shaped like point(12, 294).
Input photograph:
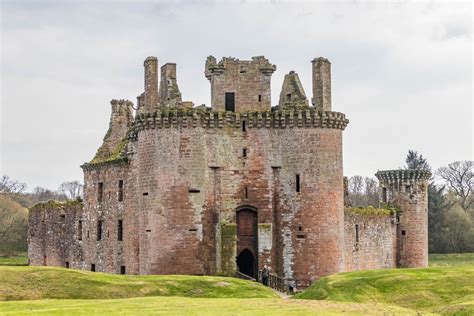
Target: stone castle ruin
point(180, 189)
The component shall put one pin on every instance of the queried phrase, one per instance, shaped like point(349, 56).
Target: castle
point(179, 189)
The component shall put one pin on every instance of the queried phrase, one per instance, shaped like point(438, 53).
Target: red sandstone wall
point(52, 234)
point(376, 247)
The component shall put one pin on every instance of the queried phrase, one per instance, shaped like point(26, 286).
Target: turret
point(407, 191)
point(240, 85)
point(321, 84)
point(151, 84)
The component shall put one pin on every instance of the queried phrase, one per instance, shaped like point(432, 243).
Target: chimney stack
point(321, 84)
point(151, 84)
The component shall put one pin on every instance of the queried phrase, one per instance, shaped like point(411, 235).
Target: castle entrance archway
point(247, 241)
point(246, 263)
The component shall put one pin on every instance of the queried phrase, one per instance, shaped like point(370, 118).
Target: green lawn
point(431, 289)
point(196, 306)
point(20, 260)
point(30, 283)
point(451, 259)
point(447, 287)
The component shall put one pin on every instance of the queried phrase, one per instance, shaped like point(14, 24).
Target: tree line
point(450, 202)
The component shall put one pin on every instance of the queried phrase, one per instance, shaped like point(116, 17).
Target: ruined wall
point(53, 234)
point(370, 237)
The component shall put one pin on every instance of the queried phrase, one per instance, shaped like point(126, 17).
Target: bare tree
point(72, 189)
point(8, 185)
point(459, 178)
point(356, 184)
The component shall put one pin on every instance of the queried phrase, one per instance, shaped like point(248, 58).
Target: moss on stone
point(370, 210)
point(56, 205)
point(104, 155)
point(228, 248)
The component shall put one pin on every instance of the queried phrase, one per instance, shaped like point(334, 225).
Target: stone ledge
point(98, 165)
point(191, 118)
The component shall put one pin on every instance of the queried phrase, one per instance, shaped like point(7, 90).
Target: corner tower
point(407, 190)
point(240, 85)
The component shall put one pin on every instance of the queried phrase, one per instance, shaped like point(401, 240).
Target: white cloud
point(401, 72)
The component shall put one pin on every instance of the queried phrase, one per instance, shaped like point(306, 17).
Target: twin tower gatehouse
point(183, 189)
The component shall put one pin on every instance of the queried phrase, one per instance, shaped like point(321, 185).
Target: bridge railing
point(276, 282)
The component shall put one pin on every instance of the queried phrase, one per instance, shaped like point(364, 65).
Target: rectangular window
point(246, 193)
point(120, 230)
point(407, 189)
point(244, 152)
point(230, 101)
point(298, 184)
point(122, 269)
point(93, 267)
point(404, 232)
point(357, 232)
point(99, 230)
point(259, 98)
point(244, 126)
point(100, 191)
point(79, 230)
point(384, 194)
point(120, 190)
point(288, 97)
point(67, 264)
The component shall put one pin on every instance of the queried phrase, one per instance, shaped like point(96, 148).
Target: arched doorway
point(246, 262)
point(247, 241)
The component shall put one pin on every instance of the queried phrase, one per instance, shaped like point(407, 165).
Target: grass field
point(20, 260)
point(447, 287)
point(436, 289)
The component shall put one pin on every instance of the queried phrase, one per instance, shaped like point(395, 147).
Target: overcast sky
point(402, 72)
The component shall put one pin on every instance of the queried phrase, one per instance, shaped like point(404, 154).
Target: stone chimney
point(321, 84)
point(151, 84)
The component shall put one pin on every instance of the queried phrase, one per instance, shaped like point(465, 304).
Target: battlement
point(402, 175)
point(192, 118)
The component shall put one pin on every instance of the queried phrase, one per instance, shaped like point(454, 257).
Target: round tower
point(407, 191)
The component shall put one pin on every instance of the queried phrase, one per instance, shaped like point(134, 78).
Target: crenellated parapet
point(402, 175)
point(192, 118)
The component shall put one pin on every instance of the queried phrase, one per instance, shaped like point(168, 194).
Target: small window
point(67, 264)
point(384, 194)
point(244, 152)
point(93, 267)
point(194, 191)
point(79, 230)
point(99, 230)
point(407, 189)
point(404, 232)
point(63, 217)
point(230, 101)
point(87, 234)
point(300, 228)
point(288, 97)
point(100, 191)
point(357, 232)
point(259, 98)
point(122, 269)
point(120, 230)
point(120, 190)
point(298, 184)
point(145, 193)
point(244, 126)
point(246, 193)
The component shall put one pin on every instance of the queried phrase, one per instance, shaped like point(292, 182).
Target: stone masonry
point(179, 189)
